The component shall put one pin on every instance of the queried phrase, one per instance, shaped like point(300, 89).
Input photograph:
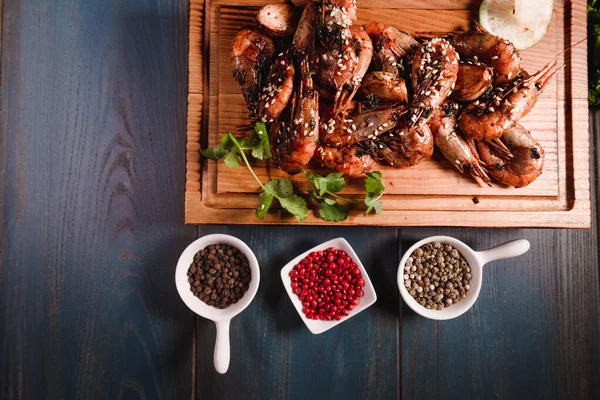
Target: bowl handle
point(222, 351)
point(507, 250)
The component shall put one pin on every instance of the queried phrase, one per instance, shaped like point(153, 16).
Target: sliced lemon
point(523, 22)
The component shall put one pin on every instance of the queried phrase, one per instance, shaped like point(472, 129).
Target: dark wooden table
point(92, 146)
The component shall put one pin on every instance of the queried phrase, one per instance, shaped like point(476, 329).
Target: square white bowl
point(320, 326)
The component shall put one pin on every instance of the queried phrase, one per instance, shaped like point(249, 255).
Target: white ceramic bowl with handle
point(475, 259)
point(221, 318)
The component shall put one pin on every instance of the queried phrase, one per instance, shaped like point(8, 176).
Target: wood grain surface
point(433, 190)
point(93, 96)
point(92, 122)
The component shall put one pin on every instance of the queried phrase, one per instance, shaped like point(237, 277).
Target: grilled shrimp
point(452, 145)
point(498, 53)
point(304, 38)
point(251, 56)
point(399, 42)
point(434, 74)
point(295, 143)
point(404, 147)
point(335, 47)
point(339, 131)
point(364, 48)
point(385, 86)
point(526, 164)
point(278, 89)
point(472, 82)
point(385, 60)
point(504, 107)
point(349, 160)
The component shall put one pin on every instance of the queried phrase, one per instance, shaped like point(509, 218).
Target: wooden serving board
point(432, 193)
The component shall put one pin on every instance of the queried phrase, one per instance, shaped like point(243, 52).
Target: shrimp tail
point(480, 173)
point(397, 50)
point(472, 146)
point(501, 149)
point(477, 170)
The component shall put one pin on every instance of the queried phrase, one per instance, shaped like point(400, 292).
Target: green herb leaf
point(333, 212)
point(225, 150)
point(331, 183)
point(264, 203)
point(216, 153)
point(227, 142)
point(329, 209)
point(375, 189)
point(280, 188)
point(261, 148)
point(258, 142)
point(283, 190)
point(373, 204)
point(373, 184)
point(232, 152)
point(232, 159)
point(295, 205)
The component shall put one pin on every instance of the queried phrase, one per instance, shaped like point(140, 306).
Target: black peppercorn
point(219, 275)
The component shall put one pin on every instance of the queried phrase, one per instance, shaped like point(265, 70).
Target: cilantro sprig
point(375, 188)
point(230, 148)
point(332, 207)
point(325, 195)
point(231, 151)
point(327, 187)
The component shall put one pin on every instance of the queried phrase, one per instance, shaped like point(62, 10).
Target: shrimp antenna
point(571, 47)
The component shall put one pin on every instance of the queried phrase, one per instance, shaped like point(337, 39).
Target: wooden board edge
point(578, 106)
point(577, 218)
point(195, 96)
point(577, 57)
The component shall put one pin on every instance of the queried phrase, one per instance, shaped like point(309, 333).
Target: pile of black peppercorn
point(219, 275)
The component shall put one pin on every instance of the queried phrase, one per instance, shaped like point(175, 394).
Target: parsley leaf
point(331, 183)
point(375, 188)
point(281, 187)
point(283, 191)
point(258, 142)
point(230, 148)
point(232, 151)
point(216, 153)
point(226, 150)
point(330, 209)
point(232, 160)
point(295, 205)
point(264, 203)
